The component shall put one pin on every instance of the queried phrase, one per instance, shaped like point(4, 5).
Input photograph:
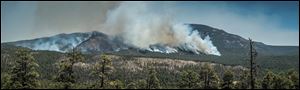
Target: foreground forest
point(29, 69)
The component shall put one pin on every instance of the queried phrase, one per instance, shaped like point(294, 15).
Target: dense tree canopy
point(106, 72)
point(23, 74)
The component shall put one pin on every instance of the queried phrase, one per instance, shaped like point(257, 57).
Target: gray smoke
point(136, 23)
point(60, 43)
point(142, 27)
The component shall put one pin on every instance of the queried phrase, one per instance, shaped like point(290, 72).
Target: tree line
point(24, 75)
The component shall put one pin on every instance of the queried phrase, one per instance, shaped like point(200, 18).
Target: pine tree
point(277, 81)
point(228, 80)
point(244, 80)
point(209, 77)
point(116, 84)
point(268, 80)
point(141, 84)
point(66, 73)
point(5, 81)
point(294, 77)
point(281, 82)
point(102, 70)
point(188, 79)
point(137, 84)
point(152, 81)
point(258, 83)
point(23, 74)
point(214, 81)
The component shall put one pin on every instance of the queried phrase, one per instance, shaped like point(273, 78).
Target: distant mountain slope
point(234, 49)
point(233, 44)
point(100, 42)
point(61, 42)
point(91, 42)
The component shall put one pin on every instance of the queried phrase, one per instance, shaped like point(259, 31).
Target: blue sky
point(274, 23)
point(286, 12)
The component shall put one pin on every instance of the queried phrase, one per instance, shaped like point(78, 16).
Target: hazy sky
point(273, 23)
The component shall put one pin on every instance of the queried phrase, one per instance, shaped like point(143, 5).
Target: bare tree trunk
point(102, 78)
point(253, 54)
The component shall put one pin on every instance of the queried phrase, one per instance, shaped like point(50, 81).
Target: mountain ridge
point(95, 41)
point(234, 49)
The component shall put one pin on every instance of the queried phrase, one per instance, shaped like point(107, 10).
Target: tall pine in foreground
point(23, 74)
point(209, 77)
point(188, 79)
point(228, 80)
point(152, 80)
point(66, 73)
point(102, 69)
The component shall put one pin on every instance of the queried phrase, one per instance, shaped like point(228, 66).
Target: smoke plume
point(139, 26)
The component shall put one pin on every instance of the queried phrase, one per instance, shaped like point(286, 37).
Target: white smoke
point(141, 27)
point(58, 43)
